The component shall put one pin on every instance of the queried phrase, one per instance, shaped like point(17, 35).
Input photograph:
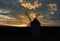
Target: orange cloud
point(24, 19)
point(29, 5)
point(32, 15)
point(52, 7)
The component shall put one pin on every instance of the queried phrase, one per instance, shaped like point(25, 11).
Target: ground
point(24, 33)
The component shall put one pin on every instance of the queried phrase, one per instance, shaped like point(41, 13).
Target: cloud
point(4, 11)
point(10, 21)
point(5, 17)
point(24, 19)
point(30, 5)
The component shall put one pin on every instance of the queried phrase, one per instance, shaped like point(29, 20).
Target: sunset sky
point(12, 12)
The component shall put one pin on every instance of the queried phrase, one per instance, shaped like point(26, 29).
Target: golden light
point(24, 19)
point(29, 5)
point(32, 15)
point(22, 22)
point(21, 0)
point(52, 7)
point(52, 13)
point(40, 17)
point(21, 25)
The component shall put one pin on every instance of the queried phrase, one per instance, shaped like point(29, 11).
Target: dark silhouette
point(35, 27)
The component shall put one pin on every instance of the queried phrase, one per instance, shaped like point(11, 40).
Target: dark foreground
point(46, 33)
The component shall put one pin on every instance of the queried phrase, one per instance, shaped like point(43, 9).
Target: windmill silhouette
point(35, 26)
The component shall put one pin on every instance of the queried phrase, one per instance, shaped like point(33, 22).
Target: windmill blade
point(28, 15)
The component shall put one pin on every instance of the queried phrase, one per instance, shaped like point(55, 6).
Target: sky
point(47, 11)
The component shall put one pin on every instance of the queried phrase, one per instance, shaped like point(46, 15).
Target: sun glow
point(21, 25)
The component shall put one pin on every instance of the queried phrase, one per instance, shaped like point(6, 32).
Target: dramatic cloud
point(5, 17)
point(12, 12)
point(24, 19)
point(29, 5)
